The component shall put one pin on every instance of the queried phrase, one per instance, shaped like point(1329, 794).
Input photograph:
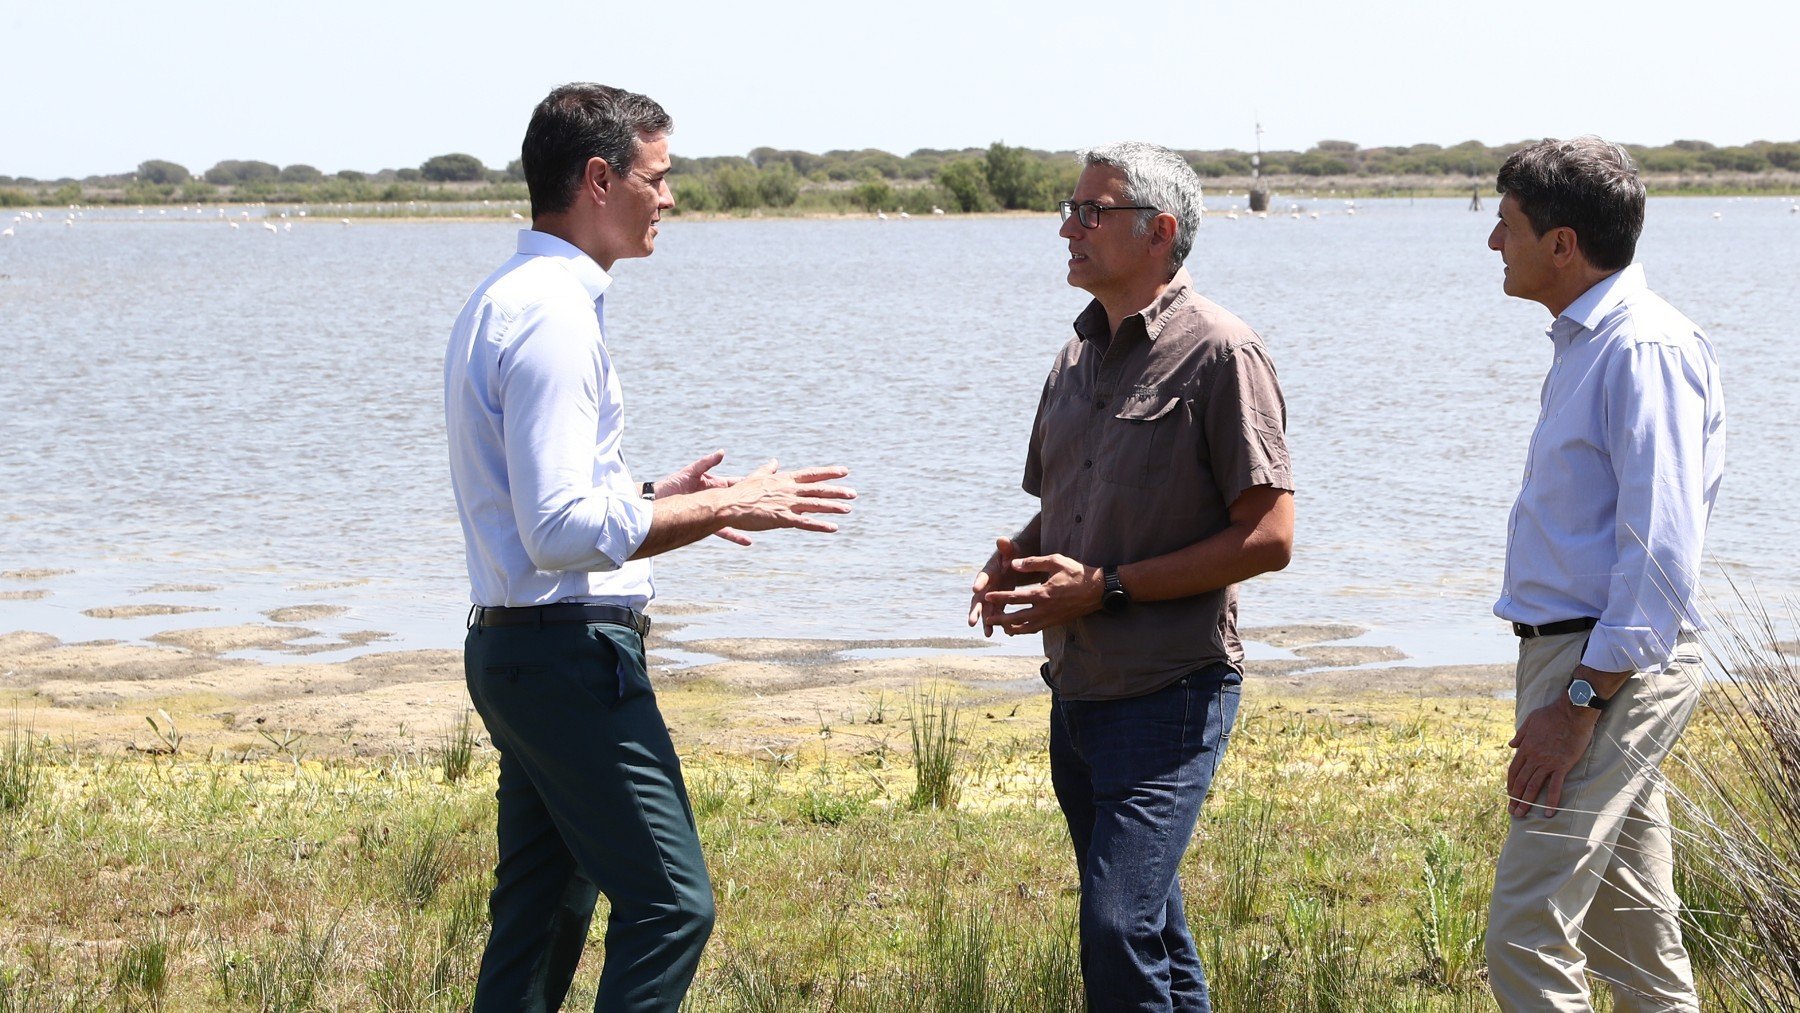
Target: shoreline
point(743, 693)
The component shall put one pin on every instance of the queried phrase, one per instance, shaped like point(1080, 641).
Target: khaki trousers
point(1589, 892)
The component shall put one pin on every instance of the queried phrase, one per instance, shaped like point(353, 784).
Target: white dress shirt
point(536, 420)
point(1620, 479)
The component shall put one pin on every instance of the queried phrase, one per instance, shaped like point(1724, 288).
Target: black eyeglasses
point(1088, 212)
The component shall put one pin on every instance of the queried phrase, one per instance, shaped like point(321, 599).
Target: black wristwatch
point(1581, 694)
point(1115, 599)
point(649, 490)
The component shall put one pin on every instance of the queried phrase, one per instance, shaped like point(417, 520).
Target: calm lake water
point(261, 412)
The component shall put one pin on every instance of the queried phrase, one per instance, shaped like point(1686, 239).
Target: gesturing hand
point(695, 477)
point(996, 574)
point(1070, 590)
point(698, 476)
point(1549, 744)
point(767, 499)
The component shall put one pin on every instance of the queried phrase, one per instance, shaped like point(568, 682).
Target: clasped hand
point(1065, 591)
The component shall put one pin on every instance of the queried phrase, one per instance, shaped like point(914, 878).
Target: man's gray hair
point(1160, 178)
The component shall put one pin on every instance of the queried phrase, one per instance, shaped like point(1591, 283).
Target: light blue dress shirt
point(1620, 480)
point(536, 420)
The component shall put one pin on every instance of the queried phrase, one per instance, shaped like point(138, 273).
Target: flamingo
point(270, 227)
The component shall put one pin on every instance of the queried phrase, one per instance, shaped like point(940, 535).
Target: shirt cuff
point(1626, 649)
point(627, 525)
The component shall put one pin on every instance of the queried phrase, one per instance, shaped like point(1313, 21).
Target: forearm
point(1029, 541)
point(1258, 542)
point(683, 520)
point(1604, 683)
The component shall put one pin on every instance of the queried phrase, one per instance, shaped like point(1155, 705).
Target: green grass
point(1341, 864)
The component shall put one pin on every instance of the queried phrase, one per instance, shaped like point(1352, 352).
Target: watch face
point(1114, 601)
point(1580, 693)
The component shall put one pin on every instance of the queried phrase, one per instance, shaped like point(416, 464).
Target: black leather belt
point(1525, 632)
point(562, 612)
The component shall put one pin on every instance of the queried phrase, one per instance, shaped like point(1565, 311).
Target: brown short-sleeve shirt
point(1141, 443)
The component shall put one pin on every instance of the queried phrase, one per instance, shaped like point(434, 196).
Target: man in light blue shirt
point(559, 537)
point(1603, 554)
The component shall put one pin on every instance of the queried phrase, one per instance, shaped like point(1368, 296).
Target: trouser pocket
point(621, 651)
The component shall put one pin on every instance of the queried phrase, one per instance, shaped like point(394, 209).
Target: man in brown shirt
point(1161, 467)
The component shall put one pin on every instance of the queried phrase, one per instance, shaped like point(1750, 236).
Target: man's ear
point(596, 179)
point(1163, 228)
point(1565, 246)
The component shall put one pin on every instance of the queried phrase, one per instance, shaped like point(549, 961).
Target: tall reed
point(935, 749)
point(1741, 844)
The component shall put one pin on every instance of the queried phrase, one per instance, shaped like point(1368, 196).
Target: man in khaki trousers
point(1603, 549)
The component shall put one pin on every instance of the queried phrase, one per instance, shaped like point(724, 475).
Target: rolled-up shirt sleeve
point(551, 378)
point(1656, 416)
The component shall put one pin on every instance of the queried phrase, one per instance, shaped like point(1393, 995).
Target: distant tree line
point(453, 176)
point(970, 179)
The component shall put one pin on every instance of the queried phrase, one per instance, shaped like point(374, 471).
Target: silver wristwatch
point(1581, 694)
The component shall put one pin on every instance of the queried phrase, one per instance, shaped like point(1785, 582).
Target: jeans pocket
point(1225, 708)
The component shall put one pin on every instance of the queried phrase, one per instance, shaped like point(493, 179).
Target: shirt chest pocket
point(1136, 442)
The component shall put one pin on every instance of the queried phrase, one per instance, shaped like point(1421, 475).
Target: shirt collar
point(1592, 306)
point(1157, 314)
point(1091, 324)
point(592, 276)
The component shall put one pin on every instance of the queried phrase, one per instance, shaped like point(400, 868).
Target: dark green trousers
point(591, 802)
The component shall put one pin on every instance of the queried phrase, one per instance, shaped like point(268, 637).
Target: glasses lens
point(1089, 213)
point(1064, 208)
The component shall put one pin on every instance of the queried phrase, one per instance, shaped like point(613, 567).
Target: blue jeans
point(1130, 776)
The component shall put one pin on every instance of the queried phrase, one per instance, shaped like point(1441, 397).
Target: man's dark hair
point(577, 122)
point(1585, 184)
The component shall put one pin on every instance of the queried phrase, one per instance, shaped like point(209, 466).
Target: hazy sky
point(94, 88)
